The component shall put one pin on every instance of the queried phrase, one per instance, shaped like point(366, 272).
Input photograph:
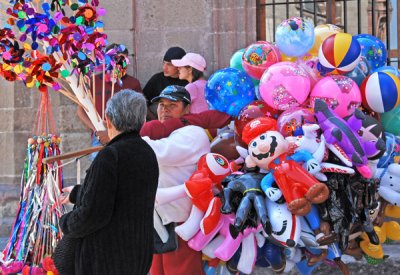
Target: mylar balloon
point(229, 90)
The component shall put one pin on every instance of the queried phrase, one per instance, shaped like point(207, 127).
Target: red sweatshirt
point(210, 119)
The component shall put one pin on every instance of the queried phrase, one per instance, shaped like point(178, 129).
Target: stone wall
point(213, 28)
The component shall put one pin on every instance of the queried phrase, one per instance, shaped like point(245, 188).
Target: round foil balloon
point(284, 85)
point(258, 57)
point(295, 36)
point(373, 49)
point(229, 90)
point(320, 33)
point(339, 54)
point(340, 92)
point(290, 121)
point(380, 92)
point(251, 111)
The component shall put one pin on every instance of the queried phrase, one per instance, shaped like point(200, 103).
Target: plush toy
point(317, 147)
point(268, 150)
point(344, 133)
point(248, 185)
point(201, 188)
point(374, 254)
point(389, 187)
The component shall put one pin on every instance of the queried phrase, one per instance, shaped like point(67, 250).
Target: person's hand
point(102, 136)
point(64, 197)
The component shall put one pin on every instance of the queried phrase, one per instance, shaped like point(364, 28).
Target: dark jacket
point(113, 214)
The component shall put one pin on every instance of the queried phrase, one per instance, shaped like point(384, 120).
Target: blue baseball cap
point(174, 93)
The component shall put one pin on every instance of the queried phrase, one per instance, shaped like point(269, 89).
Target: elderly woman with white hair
point(111, 224)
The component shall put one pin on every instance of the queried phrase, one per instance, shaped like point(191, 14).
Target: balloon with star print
point(229, 90)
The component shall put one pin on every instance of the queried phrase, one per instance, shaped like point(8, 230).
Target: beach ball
point(339, 92)
point(284, 85)
point(388, 69)
point(289, 123)
point(236, 60)
point(360, 72)
point(258, 57)
point(295, 36)
point(380, 92)
point(229, 90)
point(251, 111)
point(320, 33)
point(373, 49)
point(339, 54)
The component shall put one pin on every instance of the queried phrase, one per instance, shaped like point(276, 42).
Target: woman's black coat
point(113, 215)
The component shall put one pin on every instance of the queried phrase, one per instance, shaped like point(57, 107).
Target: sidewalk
point(390, 266)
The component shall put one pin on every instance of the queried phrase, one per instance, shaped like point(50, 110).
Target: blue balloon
point(361, 71)
point(373, 50)
point(236, 60)
point(295, 36)
point(229, 90)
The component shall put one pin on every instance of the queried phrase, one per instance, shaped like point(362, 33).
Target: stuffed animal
point(268, 150)
point(201, 188)
point(344, 133)
point(389, 187)
point(248, 185)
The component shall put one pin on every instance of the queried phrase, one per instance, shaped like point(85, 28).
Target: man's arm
point(80, 112)
point(210, 119)
point(101, 135)
point(181, 147)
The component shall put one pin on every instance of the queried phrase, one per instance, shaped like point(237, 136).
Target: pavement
point(389, 266)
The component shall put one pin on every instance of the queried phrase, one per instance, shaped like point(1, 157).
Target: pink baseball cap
point(191, 59)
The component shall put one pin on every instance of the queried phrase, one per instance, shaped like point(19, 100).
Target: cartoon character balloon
point(341, 94)
point(339, 54)
point(268, 150)
point(373, 49)
point(284, 85)
point(258, 57)
point(295, 36)
point(229, 90)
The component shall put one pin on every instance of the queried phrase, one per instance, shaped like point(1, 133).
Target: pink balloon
point(340, 92)
point(284, 85)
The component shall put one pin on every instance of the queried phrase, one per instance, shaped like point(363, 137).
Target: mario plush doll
point(268, 150)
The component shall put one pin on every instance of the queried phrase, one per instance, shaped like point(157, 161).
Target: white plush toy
point(389, 188)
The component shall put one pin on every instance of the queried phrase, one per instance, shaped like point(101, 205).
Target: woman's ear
point(108, 123)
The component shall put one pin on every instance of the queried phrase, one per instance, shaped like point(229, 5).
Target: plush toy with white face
point(268, 150)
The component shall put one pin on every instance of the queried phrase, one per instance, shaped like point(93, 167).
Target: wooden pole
point(73, 154)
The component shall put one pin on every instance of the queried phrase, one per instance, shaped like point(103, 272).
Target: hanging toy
point(249, 186)
point(268, 150)
point(344, 133)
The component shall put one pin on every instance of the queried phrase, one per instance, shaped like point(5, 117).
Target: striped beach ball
point(380, 92)
point(339, 54)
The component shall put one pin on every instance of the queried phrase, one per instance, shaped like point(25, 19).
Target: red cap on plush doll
point(256, 127)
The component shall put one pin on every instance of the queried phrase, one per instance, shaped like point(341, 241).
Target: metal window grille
point(377, 17)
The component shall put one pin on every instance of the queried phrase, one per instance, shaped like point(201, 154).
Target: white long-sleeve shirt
point(177, 157)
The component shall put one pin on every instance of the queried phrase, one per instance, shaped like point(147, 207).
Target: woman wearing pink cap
point(191, 68)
